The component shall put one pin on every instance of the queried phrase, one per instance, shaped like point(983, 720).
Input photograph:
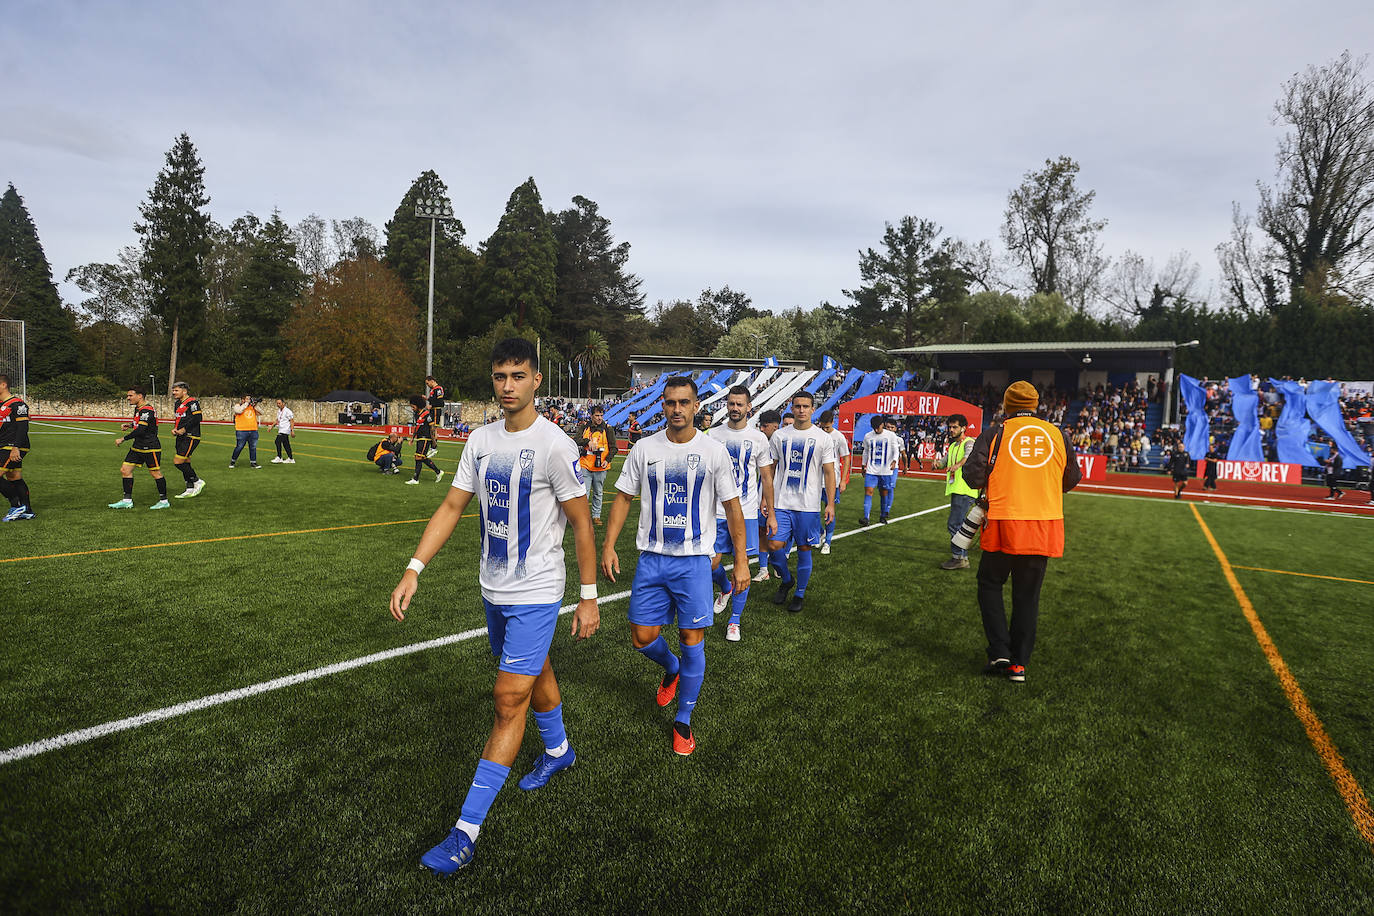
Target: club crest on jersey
point(527, 458)
point(693, 461)
point(577, 471)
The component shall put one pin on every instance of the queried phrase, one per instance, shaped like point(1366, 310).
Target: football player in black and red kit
point(424, 439)
point(14, 445)
point(186, 427)
point(145, 450)
point(435, 393)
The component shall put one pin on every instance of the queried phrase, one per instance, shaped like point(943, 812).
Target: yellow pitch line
point(1285, 572)
point(235, 537)
point(1355, 800)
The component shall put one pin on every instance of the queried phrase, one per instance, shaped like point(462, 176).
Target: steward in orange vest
point(1025, 465)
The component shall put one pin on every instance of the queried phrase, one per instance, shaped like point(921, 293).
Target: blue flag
point(827, 362)
point(1293, 428)
point(1325, 410)
point(1245, 443)
point(1195, 425)
point(771, 362)
point(579, 369)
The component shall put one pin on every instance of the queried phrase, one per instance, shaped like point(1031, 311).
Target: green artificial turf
point(850, 759)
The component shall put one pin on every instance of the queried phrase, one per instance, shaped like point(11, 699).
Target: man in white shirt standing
point(842, 469)
point(804, 470)
point(679, 473)
point(286, 431)
point(753, 467)
point(524, 472)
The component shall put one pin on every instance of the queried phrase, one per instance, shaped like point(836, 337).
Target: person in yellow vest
point(961, 495)
point(598, 446)
point(245, 430)
point(1026, 465)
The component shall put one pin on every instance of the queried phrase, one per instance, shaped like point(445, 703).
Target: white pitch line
point(75, 429)
point(82, 735)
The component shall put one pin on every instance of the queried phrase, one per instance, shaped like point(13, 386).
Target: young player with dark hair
point(804, 468)
point(842, 467)
point(882, 454)
point(424, 440)
point(752, 462)
point(186, 417)
point(14, 445)
point(523, 472)
point(145, 450)
point(680, 474)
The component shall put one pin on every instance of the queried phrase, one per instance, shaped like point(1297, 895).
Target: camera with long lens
point(969, 529)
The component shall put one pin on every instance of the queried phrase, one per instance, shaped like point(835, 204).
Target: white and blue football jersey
point(679, 486)
point(519, 480)
point(880, 452)
point(749, 451)
point(799, 459)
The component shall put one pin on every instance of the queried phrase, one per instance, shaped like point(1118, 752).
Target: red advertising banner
point(1255, 471)
point(1094, 467)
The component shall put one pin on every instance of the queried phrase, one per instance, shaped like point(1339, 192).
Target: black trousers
point(283, 440)
point(1027, 573)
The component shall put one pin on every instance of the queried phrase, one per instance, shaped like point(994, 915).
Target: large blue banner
point(1195, 424)
point(1324, 408)
point(1245, 443)
point(1293, 427)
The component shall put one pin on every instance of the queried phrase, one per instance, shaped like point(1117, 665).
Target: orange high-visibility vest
point(1025, 490)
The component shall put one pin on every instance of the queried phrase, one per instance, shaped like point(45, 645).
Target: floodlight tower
point(432, 209)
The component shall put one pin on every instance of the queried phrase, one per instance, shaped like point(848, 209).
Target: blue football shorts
point(726, 546)
point(881, 481)
point(520, 634)
point(803, 528)
point(665, 586)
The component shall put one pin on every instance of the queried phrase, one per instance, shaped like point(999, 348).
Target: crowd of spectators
point(1112, 423)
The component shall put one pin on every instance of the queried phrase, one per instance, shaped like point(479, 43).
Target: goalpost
point(12, 355)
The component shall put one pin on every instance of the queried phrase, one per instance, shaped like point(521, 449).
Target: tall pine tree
point(595, 292)
point(49, 330)
point(176, 240)
point(270, 284)
point(518, 277)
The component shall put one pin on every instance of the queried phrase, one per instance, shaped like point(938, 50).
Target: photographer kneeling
point(1026, 465)
point(387, 454)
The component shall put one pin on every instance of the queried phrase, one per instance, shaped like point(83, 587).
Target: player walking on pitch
point(882, 452)
point(424, 440)
point(186, 415)
point(14, 445)
point(804, 469)
point(680, 474)
point(145, 450)
point(524, 472)
point(752, 462)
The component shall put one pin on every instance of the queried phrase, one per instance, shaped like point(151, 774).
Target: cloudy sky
point(751, 144)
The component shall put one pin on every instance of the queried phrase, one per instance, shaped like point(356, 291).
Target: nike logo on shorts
point(512, 661)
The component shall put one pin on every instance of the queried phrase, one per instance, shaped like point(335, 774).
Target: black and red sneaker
point(1016, 673)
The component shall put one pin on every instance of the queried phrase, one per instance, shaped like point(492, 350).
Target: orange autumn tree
point(357, 329)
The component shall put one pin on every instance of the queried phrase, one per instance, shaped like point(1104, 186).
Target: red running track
point(1233, 492)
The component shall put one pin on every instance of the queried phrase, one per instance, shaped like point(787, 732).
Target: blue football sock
point(778, 560)
point(693, 673)
point(803, 571)
point(737, 605)
point(887, 500)
point(659, 652)
point(488, 781)
point(868, 504)
point(719, 577)
point(551, 727)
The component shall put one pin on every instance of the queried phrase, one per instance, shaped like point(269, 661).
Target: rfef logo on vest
point(1030, 447)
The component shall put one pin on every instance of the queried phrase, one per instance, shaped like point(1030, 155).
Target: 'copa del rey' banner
point(1094, 467)
point(1256, 471)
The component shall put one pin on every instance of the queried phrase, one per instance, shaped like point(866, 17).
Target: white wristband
point(589, 592)
point(415, 565)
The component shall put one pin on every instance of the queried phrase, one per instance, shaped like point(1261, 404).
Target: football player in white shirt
point(803, 470)
point(680, 474)
point(525, 474)
point(753, 465)
point(882, 453)
point(842, 468)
